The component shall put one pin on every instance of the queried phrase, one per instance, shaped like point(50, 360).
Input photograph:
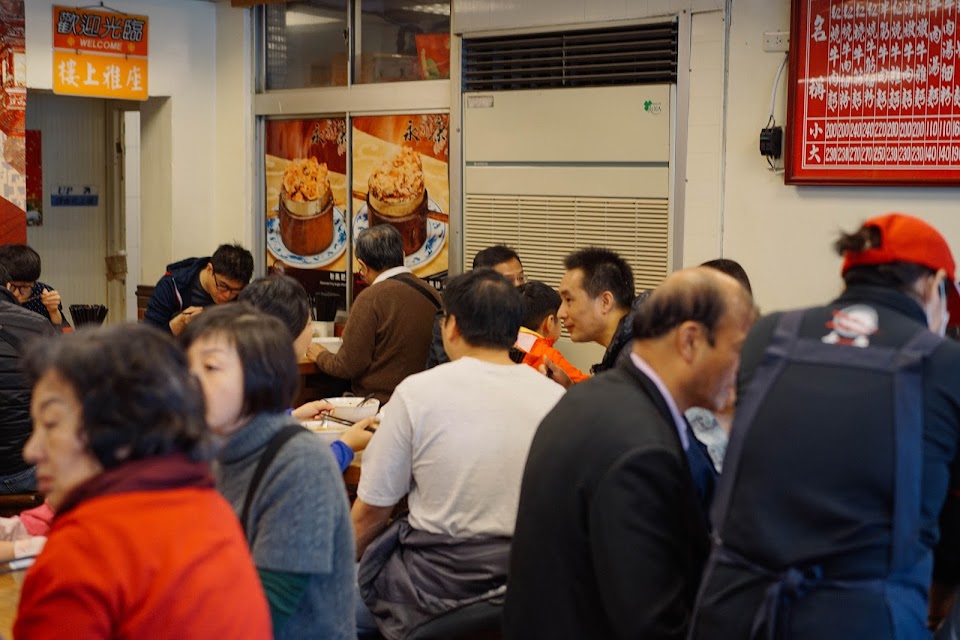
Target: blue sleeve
point(342, 453)
point(163, 304)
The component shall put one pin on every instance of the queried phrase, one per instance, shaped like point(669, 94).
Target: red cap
point(904, 238)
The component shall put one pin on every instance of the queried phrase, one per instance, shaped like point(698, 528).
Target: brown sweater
point(386, 339)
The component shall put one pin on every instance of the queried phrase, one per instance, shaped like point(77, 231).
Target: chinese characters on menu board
point(99, 53)
point(874, 93)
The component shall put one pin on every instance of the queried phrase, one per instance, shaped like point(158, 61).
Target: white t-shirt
point(455, 438)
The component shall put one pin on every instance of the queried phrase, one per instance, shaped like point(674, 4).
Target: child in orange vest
point(541, 328)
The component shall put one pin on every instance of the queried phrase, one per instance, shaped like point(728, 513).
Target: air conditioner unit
point(548, 171)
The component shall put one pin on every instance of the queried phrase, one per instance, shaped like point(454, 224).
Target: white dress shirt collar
point(679, 422)
point(389, 273)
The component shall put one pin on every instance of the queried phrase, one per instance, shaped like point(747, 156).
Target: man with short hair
point(23, 264)
point(194, 283)
point(611, 534)
point(387, 335)
point(598, 302)
point(501, 259)
point(17, 326)
point(453, 440)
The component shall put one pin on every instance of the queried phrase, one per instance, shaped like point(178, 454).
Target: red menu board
point(873, 93)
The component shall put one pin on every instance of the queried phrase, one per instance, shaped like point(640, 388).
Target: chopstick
point(333, 418)
point(18, 564)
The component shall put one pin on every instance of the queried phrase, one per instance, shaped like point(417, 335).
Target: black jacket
point(814, 481)
point(621, 338)
point(15, 425)
point(610, 539)
point(175, 292)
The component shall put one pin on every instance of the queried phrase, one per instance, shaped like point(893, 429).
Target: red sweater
point(145, 564)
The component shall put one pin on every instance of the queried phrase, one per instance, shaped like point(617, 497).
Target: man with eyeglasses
point(194, 283)
point(23, 266)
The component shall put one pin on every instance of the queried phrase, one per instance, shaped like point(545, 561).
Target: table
point(315, 385)
point(10, 584)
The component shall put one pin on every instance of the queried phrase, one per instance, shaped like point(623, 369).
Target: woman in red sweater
point(142, 545)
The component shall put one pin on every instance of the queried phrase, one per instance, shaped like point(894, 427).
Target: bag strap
point(273, 447)
point(13, 340)
point(419, 287)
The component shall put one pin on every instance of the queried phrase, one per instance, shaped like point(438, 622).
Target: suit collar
point(649, 387)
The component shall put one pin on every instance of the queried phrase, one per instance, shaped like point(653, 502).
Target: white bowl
point(348, 409)
point(330, 344)
point(328, 431)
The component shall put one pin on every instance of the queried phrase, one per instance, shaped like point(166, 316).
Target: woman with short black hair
point(281, 479)
point(142, 545)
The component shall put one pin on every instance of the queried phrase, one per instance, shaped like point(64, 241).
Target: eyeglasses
point(224, 288)
point(23, 289)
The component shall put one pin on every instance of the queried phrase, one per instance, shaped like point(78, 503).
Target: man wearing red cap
point(843, 450)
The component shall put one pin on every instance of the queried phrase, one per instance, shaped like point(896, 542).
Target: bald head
point(700, 294)
point(690, 331)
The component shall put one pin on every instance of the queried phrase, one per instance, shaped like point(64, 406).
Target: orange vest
point(536, 348)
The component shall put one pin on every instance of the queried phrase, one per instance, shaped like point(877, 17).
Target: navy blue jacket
point(173, 293)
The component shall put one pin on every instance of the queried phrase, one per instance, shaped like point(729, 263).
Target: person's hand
point(314, 410)
point(358, 436)
point(314, 350)
point(555, 373)
point(182, 319)
point(50, 299)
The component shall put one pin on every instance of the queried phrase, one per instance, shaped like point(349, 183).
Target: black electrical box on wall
point(771, 142)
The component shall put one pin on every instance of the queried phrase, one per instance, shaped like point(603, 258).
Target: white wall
point(209, 160)
point(782, 234)
point(72, 240)
point(488, 15)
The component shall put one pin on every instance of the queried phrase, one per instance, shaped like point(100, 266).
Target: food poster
point(13, 105)
point(400, 177)
point(306, 208)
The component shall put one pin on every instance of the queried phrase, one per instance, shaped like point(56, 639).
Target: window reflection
point(404, 40)
point(306, 44)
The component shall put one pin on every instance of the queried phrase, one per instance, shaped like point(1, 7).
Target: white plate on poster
point(436, 236)
point(322, 259)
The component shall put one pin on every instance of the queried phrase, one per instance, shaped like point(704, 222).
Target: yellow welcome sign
point(80, 65)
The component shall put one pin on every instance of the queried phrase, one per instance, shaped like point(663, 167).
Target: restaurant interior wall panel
point(782, 234)
point(156, 188)
point(234, 175)
point(72, 240)
point(471, 16)
point(702, 220)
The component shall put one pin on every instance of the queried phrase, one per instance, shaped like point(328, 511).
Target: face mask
point(939, 325)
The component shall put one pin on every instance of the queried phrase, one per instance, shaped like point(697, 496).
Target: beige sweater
point(386, 338)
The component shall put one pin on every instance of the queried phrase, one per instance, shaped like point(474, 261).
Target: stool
point(478, 621)
point(14, 503)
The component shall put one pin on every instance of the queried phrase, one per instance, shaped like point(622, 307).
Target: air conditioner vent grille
point(544, 229)
point(640, 54)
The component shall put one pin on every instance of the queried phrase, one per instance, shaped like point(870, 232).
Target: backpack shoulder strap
point(419, 287)
point(273, 447)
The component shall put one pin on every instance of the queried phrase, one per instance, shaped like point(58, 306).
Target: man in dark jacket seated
point(194, 283)
point(17, 326)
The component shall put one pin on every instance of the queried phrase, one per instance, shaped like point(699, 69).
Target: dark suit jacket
point(610, 539)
